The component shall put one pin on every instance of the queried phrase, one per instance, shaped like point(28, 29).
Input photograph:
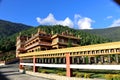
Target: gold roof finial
point(52, 32)
point(19, 33)
point(67, 31)
point(78, 36)
point(39, 30)
point(32, 35)
point(71, 34)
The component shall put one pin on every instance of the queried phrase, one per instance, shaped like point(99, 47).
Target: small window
point(37, 40)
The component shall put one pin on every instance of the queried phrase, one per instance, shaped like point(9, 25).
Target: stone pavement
point(10, 72)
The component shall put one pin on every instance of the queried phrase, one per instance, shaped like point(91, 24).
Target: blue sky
point(78, 14)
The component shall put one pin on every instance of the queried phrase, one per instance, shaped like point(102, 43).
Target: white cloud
point(80, 22)
point(115, 23)
point(50, 20)
point(85, 23)
point(66, 22)
point(76, 18)
point(109, 17)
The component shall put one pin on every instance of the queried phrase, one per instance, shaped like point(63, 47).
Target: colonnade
point(77, 59)
point(101, 56)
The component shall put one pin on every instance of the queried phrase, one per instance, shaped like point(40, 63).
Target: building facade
point(20, 41)
point(64, 40)
point(46, 50)
point(42, 41)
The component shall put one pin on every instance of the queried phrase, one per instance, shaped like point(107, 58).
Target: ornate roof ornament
point(52, 32)
point(39, 30)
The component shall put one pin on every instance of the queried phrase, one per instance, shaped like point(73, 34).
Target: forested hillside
point(9, 31)
point(8, 43)
point(9, 28)
point(110, 33)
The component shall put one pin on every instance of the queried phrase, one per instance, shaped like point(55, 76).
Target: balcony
point(21, 50)
point(42, 43)
point(32, 45)
point(65, 43)
point(45, 43)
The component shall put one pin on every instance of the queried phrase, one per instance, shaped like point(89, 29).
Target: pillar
point(56, 60)
point(102, 59)
point(89, 60)
point(45, 60)
point(59, 60)
point(68, 70)
point(73, 60)
point(83, 59)
point(109, 58)
point(95, 59)
point(40, 60)
point(52, 61)
point(20, 66)
point(116, 57)
point(34, 62)
point(64, 61)
point(78, 60)
point(37, 60)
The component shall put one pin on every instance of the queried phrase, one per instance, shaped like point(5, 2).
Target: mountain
point(8, 28)
point(8, 43)
point(9, 31)
point(112, 33)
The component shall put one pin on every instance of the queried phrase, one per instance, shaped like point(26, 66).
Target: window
point(102, 51)
point(36, 40)
point(93, 52)
point(36, 50)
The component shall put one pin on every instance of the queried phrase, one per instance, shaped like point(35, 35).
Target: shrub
point(59, 74)
point(39, 69)
point(109, 76)
point(62, 73)
point(116, 77)
point(74, 73)
point(86, 75)
point(43, 71)
point(79, 75)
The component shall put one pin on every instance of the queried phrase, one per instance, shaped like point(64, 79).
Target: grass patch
point(102, 74)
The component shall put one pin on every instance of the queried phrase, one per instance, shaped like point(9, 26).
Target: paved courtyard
point(10, 72)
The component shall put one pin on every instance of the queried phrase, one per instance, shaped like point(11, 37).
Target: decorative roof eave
point(58, 35)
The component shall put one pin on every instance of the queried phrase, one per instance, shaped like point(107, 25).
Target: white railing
point(75, 66)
